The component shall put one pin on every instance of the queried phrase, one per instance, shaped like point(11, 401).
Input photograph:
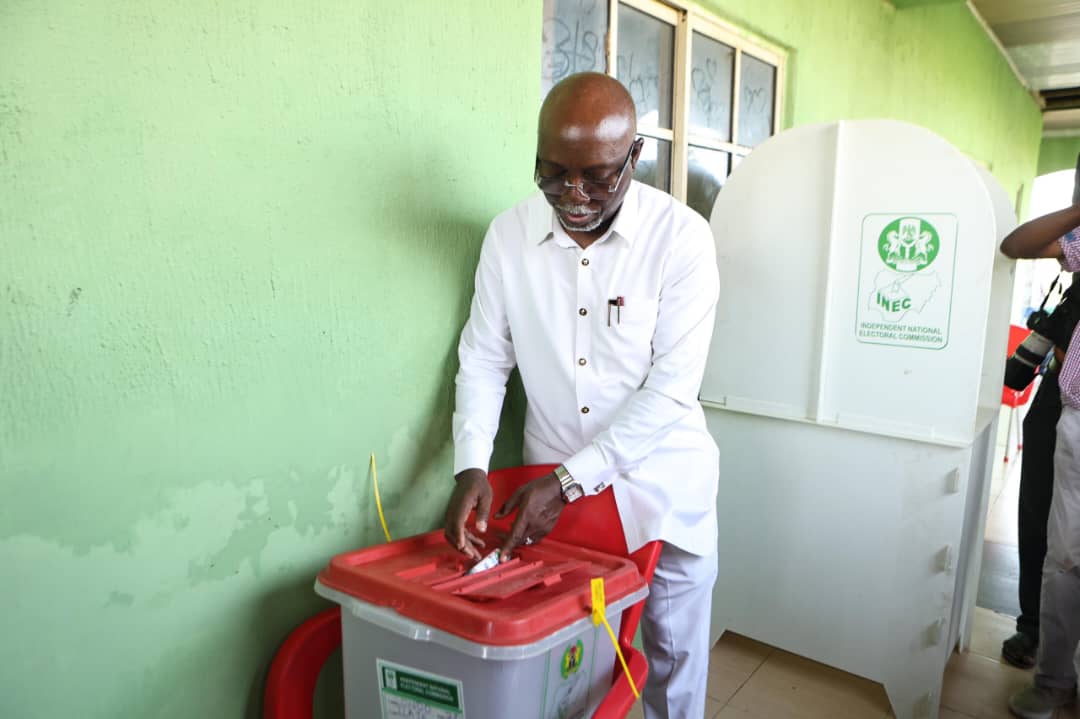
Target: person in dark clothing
point(1036, 491)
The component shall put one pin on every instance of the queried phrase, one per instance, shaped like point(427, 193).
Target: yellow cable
point(622, 661)
point(599, 616)
point(378, 502)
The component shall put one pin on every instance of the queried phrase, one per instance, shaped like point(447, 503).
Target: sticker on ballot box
point(407, 693)
point(906, 275)
point(570, 677)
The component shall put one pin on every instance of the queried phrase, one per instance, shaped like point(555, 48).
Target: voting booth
point(853, 388)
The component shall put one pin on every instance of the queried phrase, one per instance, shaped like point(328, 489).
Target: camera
point(1047, 330)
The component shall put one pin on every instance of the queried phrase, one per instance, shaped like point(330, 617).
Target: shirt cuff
point(473, 453)
point(589, 469)
point(1070, 250)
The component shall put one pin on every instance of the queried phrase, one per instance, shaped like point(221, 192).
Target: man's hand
point(539, 504)
point(472, 491)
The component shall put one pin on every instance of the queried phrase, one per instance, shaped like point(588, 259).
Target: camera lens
point(1020, 368)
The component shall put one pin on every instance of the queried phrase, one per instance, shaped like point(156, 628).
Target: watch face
point(574, 493)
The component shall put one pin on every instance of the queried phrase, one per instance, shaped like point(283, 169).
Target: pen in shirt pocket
point(618, 303)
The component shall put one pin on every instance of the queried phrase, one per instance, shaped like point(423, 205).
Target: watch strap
point(571, 490)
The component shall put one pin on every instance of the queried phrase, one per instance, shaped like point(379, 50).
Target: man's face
point(577, 165)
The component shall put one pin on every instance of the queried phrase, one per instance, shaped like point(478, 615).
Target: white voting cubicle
point(853, 388)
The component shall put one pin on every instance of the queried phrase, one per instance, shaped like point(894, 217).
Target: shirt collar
point(542, 220)
point(626, 221)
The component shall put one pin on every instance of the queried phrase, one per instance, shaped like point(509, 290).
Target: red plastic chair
point(1012, 398)
point(592, 522)
point(290, 685)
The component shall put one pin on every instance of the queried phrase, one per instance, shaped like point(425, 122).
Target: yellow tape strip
point(378, 502)
point(599, 616)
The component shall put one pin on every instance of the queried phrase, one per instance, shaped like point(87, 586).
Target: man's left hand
point(539, 504)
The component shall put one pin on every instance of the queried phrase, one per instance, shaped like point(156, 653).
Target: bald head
point(586, 153)
point(588, 106)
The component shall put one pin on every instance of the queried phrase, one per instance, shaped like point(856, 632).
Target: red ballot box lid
point(541, 589)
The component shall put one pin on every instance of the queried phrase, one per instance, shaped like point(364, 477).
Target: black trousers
point(1036, 491)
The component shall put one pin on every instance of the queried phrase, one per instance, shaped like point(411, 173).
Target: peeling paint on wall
point(236, 249)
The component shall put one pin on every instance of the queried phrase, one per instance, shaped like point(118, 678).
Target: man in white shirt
point(602, 292)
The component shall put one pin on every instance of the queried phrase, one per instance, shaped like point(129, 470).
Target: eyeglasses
point(594, 187)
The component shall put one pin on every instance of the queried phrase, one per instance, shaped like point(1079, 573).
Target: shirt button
point(581, 361)
point(583, 312)
point(584, 410)
point(585, 261)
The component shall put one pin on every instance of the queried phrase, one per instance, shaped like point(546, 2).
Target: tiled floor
point(750, 680)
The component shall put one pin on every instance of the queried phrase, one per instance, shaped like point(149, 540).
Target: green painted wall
point(236, 249)
point(1058, 153)
point(933, 66)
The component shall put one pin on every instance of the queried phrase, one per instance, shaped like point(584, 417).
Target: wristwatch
point(571, 490)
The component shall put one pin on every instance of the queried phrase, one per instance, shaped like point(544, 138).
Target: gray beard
point(581, 228)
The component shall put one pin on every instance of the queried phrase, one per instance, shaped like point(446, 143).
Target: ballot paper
point(489, 562)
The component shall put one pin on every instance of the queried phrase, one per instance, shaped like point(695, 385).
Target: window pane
point(757, 94)
point(706, 172)
point(573, 39)
point(654, 164)
point(646, 65)
point(712, 65)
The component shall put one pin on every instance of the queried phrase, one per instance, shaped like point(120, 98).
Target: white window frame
point(687, 19)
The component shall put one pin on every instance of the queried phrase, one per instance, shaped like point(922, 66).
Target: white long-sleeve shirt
point(612, 392)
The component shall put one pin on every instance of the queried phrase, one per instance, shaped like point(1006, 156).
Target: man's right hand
point(472, 491)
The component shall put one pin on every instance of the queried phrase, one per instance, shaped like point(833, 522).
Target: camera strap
point(1050, 291)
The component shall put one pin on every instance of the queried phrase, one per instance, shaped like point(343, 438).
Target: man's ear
point(636, 153)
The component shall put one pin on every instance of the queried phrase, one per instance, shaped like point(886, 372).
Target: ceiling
point(1043, 39)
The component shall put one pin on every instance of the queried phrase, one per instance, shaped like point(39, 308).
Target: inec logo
point(907, 262)
point(908, 244)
